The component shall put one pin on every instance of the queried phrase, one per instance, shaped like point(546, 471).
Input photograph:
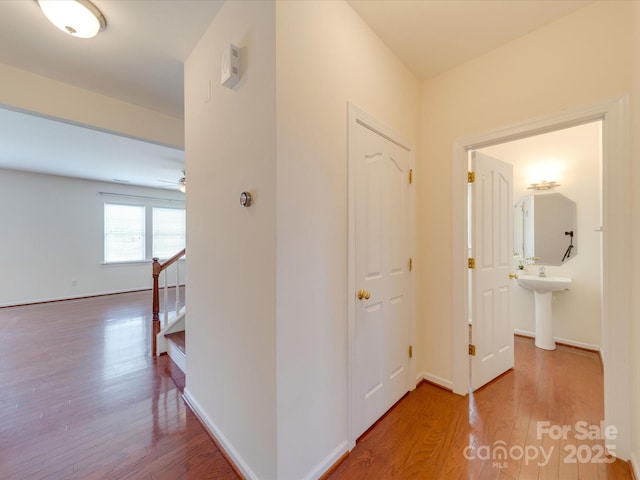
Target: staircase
point(176, 349)
point(168, 334)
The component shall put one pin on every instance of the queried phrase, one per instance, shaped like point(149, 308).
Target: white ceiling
point(139, 59)
point(37, 144)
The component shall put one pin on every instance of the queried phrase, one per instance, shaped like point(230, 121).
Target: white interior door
point(492, 248)
point(380, 200)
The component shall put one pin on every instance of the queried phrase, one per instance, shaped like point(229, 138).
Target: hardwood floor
point(428, 434)
point(81, 398)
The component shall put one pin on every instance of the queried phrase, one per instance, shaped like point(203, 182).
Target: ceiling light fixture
point(78, 18)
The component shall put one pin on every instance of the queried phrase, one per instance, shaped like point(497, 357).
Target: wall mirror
point(545, 228)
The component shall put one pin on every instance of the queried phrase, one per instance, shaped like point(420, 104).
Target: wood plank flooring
point(81, 398)
point(427, 434)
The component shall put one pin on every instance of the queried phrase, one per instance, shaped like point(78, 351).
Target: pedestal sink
point(543, 288)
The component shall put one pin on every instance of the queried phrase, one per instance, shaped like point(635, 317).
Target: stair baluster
point(158, 268)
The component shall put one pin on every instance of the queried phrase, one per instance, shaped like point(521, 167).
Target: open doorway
point(567, 164)
point(572, 158)
point(615, 247)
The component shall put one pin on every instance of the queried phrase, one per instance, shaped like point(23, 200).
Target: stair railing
point(158, 268)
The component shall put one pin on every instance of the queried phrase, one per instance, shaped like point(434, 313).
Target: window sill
point(133, 262)
point(137, 262)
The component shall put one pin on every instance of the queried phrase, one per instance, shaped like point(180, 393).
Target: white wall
point(230, 148)
point(52, 234)
point(576, 153)
point(574, 61)
point(326, 57)
point(29, 92)
point(267, 363)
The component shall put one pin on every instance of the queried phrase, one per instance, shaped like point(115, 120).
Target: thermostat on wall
point(230, 67)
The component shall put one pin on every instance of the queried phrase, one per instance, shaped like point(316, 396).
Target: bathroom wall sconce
point(543, 185)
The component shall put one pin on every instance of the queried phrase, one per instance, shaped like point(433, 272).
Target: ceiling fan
point(181, 183)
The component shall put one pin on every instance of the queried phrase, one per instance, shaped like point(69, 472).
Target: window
point(124, 233)
point(136, 233)
point(168, 231)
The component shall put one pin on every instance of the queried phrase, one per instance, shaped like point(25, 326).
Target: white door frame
point(356, 115)
point(616, 249)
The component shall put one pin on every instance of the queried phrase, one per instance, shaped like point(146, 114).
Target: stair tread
point(178, 338)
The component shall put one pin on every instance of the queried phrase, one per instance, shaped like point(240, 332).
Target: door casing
point(616, 325)
point(356, 115)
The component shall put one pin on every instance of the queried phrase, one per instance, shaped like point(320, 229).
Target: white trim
point(635, 466)
point(229, 449)
point(616, 248)
point(80, 296)
point(356, 115)
point(564, 341)
point(328, 461)
point(441, 382)
point(178, 357)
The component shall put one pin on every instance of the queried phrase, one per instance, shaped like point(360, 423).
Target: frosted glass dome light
point(78, 18)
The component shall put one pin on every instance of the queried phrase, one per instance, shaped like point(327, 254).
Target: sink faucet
point(541, 272)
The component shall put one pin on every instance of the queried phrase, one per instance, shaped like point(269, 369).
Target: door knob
point(364, 294)
point(513, 275)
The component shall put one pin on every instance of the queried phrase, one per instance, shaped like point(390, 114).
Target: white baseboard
point(229, 449)
point(328, 461)
point(564, 341)
point(635, 466)
point(237, 459)
point(442, 382)
point(79, 296)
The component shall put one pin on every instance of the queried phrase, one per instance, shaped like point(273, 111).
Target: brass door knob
point(364, 294)
point(513, 275)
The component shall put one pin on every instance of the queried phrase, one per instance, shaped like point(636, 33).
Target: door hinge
point(472, 350)
point(471, 177)
point(410, 176)
point(410, 351)
point(410, 263)
point(472, 263)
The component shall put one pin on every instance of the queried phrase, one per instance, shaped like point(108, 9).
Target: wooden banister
point(157, 270)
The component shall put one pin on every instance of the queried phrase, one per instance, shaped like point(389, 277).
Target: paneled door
point(382, 293)
point(492, 248)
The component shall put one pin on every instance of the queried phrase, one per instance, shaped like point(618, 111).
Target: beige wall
point(326, 57)
point(267, 322)
point(29, 92)
point(635, 260)
point(577, 60)
point(230, 148)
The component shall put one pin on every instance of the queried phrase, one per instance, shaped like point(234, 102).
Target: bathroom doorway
point(566, 161)
point(616, 246)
